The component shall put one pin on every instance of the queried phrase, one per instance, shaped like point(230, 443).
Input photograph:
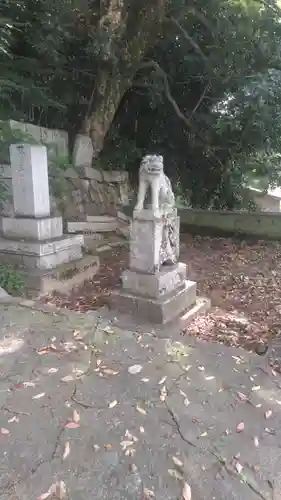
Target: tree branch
point(188, 38)
point(154, 65)
point(180, 115)
point(161, 72)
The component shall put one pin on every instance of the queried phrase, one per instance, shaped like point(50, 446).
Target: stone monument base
point(62, 278)
point(45, 228)
point(41, 254)
point(158, 298)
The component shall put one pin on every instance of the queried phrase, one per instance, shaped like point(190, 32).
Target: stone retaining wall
point(258, 224)
point(85, 191)
point(82, 191)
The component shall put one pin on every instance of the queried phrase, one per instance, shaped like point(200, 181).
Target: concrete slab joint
point(154, 288)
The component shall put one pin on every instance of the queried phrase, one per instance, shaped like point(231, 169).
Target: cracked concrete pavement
point(188, 400)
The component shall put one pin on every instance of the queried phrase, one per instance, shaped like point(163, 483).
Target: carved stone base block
point(156, 311)
point(41, 254)
point(155, 285)
point(43, 229)
point(154, 240)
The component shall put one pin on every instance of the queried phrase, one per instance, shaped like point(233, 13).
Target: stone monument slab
point(83, 151)
point(30, 180)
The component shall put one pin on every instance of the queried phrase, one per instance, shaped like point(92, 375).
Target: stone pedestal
point(33, 239)
point(154, 288)
point(150, 235)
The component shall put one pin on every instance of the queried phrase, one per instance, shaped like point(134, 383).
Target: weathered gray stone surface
point(3, 294)
point(33, 229)
point(154, 285)
point(86, 191)
point(83, 151)
point(91, 226)
point(41, 254)
point(30, 180)
point(166, 308)
point(196, 422)
point(150, 245)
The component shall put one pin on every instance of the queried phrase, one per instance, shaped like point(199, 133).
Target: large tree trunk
point(132, 29)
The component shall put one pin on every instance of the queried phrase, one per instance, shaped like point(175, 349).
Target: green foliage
point(205, 94)
point(11, 280)
point(58, 183)
point(57, 163)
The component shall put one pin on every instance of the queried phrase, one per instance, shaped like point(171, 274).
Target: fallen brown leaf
point(134, 369)
point(72, 425)
point(59, 490)
point(256, 441)
point(186, 492)
point(66, 450)
point(4, 431)
point(56, 490)
point(177, 462)
point(67, 378)
point(240, 427)
point(76, 417)
point(109, 371)
point(141, 410)
point(175, 474)
point(162, 380)
point(39, 396)
point(148, 494)
point(268, 414)
point(45, 496)
point(13, 419)
point(163, 393)
point(238, 467)
point(113, 404)
point(53, 370)
point(133, 468)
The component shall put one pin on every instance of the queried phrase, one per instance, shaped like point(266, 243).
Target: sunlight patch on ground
point(10, 344)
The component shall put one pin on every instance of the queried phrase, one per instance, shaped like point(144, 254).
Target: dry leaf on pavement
point(76, 417)
point(256, 388)
point(268, 414)
point(113, 404)
point(147, 494)
point(39, 396)
point(56, 490)
point(177, 462)
point(163, 393)
point(238, 467)
point(175, 474)
point(13, 419)
point(141, 410)
point(66, 450)
point(186, 492)
point(240, 427)
point(53, 370)
point(4, 431)
point(67, 378)
point(109, 371)
point(72, 425)
point(134, 369)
